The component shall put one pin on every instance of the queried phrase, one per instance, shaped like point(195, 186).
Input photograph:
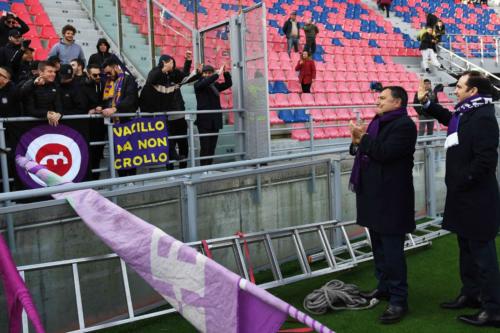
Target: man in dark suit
point(472, 208)
point(383, 182)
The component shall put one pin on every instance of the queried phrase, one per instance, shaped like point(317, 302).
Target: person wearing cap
point(70, 95)
point(207, 91)
point(162, 93)
point(41, 96)
point(8, 22)
point(67, 49)
point(291, 29)
point(11, 55)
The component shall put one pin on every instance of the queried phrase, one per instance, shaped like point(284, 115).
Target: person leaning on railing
point(92, 91)
point(120, 95)
point(41, 96)
point(162, 93)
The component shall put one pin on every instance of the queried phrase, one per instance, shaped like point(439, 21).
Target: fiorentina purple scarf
point(467, 105)
point(362, 160)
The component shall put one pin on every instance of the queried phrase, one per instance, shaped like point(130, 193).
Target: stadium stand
point(460, 19)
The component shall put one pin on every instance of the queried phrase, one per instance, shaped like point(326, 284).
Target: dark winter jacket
point(427, 41)
point(207, 99)
point(287, 28)
point(152, 100)
point(38, 100)
point(10, 101)
point(99, 57)
point(11, 56)
point(129, 100)
point(71, 98)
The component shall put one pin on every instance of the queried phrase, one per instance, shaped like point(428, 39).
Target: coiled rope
point(337, 295)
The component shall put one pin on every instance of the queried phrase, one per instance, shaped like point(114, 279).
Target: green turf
point(433, 277)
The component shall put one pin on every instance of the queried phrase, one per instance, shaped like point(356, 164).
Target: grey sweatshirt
point(67, 52)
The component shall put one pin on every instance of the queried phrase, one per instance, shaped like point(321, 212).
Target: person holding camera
point(11, 55)
point(9, 21)
point(162, 93)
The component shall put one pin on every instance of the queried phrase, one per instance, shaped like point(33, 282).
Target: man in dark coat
point(472, 208)
point(9, 22)
point(383, 182)
point(207, 91)
point(162, 93)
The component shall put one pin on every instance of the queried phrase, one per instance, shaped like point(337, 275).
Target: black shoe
point(482, 318)
point(393, 314)
point(462, 302)
point(427, 70)
point(375, 293)
point(442, 67)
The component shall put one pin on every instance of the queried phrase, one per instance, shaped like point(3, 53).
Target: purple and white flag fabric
point(17, 295)
point(209, 296)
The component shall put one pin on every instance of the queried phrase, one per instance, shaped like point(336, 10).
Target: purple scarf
point(467, 105)
point(361, 161)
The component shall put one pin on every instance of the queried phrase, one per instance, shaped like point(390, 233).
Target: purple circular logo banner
point(60, 149)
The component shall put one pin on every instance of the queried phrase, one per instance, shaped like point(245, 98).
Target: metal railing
point(483, 40)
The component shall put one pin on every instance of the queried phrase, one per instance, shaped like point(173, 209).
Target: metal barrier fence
point(191, 197)
point(483, 40)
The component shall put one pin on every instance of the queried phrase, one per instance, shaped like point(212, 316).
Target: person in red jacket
point(307, 71)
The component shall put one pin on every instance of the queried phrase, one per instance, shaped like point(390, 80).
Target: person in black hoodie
point(8, 22)
point(92, 90)
point(162, 93)
point(41, 96)
point(102, 53)
point(207, 91)
point(70, 95)
point(120, 95)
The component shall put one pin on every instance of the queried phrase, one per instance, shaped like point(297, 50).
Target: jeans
point(293, 41)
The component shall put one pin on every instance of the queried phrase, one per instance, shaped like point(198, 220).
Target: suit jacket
point(472, 208)
point(385, 200)
point(207, 99)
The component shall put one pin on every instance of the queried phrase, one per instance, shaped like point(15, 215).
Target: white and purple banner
point(209, 296)
point(60, 149)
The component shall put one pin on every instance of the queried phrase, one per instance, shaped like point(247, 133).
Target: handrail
point(469, 64)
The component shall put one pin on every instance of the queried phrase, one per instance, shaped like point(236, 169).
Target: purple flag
point(209, 296)
point(16, 293)
point(140, 142)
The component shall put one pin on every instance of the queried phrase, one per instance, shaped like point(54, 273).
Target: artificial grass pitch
point(432, 277)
